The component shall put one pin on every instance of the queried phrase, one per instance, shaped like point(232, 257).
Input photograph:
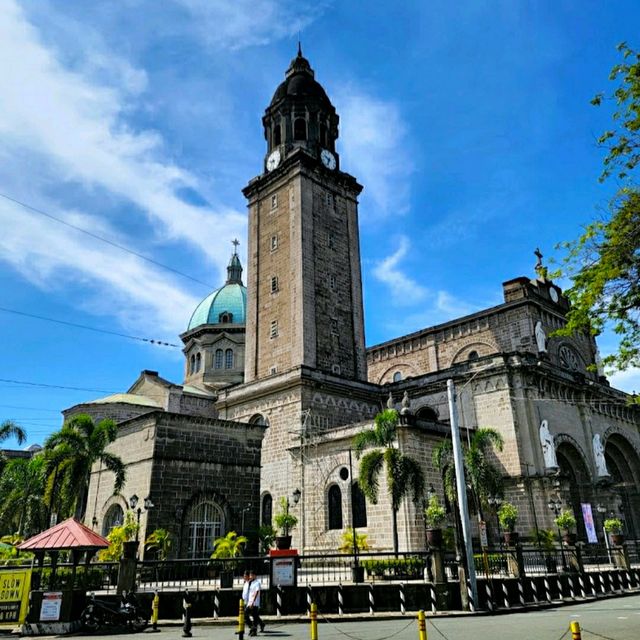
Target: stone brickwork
point(304, 273)
point(507, 328)
point(177, 461)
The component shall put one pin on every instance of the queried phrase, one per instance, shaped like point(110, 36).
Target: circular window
point(344, 473)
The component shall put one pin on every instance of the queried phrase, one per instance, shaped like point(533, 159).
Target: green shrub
point(508, 516)
point(566, 520)
point(347, 545)
point(613, 525)
point(393, 567)
point(435, 514)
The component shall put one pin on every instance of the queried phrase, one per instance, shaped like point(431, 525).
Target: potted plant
point(434, 517)
point(286, 522)
point(266, 538)
point(508, 516)
point(159, 541)
point(567, 522)
point(122, 540)
point(545, 539)
point(352, 540)
point(226, 548)
point(613, 526)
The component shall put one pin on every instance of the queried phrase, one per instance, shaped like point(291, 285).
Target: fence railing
point(328, 569)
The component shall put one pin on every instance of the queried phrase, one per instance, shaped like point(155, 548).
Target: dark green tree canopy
point(604, 262)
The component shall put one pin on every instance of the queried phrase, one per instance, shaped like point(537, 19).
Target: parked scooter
point(99, 614)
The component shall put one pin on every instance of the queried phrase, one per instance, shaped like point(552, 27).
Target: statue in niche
point(598, 454)
point(406, 404)
point(548, 446)
point(541, 337)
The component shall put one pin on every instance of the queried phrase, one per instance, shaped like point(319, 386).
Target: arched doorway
point(574, 469)
point(623, 464)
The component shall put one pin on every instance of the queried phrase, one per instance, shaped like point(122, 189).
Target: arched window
point(267, 509)
point(228, 359)
point(218, 359)
point(473, 355)
point(258, 418)
point(277, 137)
point(204, 523)
point(397, 376)
point(300, 129)
point(192, 364)
point(225, 316)
point(335, 507)
point(198, 362)
point(359, 506)
point(113, 518)
point(427, 413)
point(323, 134)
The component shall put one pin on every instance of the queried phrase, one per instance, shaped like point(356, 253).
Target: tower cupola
point(300, 116)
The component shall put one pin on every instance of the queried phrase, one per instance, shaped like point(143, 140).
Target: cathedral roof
point(231, 299)
point(300, 82)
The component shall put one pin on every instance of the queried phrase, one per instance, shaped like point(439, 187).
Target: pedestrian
point(186, 606)
point(253, 603)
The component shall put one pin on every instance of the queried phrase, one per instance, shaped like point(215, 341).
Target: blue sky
point(468, 123)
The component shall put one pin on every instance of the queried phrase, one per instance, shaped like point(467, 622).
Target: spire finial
point(235, 242)
point(541, 271)
point(299, 46)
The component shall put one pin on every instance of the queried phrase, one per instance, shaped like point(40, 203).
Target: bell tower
point(304, 281)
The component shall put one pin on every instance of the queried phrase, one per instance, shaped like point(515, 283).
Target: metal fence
point(334, 568)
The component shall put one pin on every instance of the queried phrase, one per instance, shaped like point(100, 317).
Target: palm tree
point(72, 452)
point(404, 474)
point(229, 546)
point(10, 429)
point(23, 510)
point(482, 476)
point(161, 541)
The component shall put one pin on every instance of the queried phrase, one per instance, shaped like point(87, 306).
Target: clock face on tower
point(328, 159)
point(273, 160)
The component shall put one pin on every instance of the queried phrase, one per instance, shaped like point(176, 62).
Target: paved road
point(615, 619)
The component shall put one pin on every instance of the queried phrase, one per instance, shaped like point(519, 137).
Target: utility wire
point(88, 328)
point(54, 386)
point(106, 240)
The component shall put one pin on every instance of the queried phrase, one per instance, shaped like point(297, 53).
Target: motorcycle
point(99, 614)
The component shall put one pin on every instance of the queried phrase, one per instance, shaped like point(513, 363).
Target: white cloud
point(403, 289)
point(374, 148)
point(47, 254)
point(244, 23)
point(80, 128)
point(628, 380)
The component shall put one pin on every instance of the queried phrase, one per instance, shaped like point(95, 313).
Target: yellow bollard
point(240, 631)
point(155, 611)
point(314, 621)
point(422, 625)
point(575, 630)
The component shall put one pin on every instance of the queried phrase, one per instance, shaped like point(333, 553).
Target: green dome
point(230, 299)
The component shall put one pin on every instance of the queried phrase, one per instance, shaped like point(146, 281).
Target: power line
point(88, 328)
point(106, 240)
point(14, 406)
point(54, 386)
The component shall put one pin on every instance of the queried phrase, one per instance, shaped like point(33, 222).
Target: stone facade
point(239, 443)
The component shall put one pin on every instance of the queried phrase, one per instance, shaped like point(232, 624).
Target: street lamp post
point(555, 505)
point(243, 512)
point(133, 503)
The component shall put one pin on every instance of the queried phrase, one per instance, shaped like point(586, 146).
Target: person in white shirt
point(253, 603)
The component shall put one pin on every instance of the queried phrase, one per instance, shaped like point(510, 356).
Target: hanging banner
point(589, 524)
point(14, 595)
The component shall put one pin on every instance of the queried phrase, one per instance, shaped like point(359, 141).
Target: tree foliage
point(71, 453)
point(404, 475)
point(604, 262)
point(22, 507)
point(160, 541)
point(482, 476)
